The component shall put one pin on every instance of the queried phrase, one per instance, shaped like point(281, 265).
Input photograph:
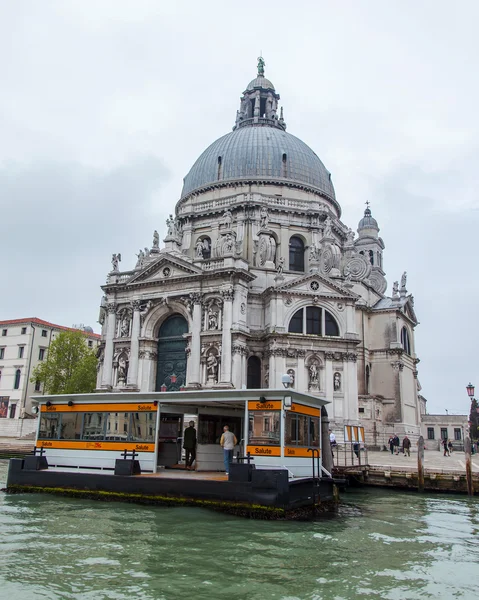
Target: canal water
point(382, 544)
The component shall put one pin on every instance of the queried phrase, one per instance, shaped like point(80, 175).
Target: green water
point(381, 545)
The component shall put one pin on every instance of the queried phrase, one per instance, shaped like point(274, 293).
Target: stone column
point(134, 345)
point(110, 334)
point(301, 379)
point(193, 364)
point(329, 382)
point(228, 296)
point(238, 352)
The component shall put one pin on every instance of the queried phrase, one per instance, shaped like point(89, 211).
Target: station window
point(44, 333)
point(405, 340)
point(21, 350)
point(264, 428)
point(430, 433)
point(443, 433)
point(210, 428)
point(301, 430)
point(38, 386)
point(361, 409)
point(16, 384)
point(457, 434)
point(4, 332)
point(41, 354)
point(24, 330)
point(2, 352)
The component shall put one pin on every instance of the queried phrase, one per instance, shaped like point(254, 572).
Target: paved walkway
point(433, 461)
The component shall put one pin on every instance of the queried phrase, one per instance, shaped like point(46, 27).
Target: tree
point(70, 367)
point(474, 420)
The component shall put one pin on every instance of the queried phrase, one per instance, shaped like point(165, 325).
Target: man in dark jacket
point(189, 444)
point(406, 446)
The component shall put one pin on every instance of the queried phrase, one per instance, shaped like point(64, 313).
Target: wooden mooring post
point(420, 464)
point(467, 449)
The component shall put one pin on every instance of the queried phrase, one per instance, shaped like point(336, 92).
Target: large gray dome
point(259, 153)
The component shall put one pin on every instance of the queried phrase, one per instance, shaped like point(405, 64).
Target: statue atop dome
point(261, 65)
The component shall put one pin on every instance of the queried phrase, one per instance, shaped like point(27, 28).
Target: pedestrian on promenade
point(228, 442)
point(450, 447)
point(356, 449)
point(391, 444)
point(397, 443)
point(189, 444)
point(444, 445)
point(406, 446)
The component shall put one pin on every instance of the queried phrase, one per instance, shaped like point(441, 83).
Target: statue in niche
point(212, 319)
point(327, 231)
point(395, 288)
point(141, 258)
point(227, 218)
point(212, 367)
point(280, 266)
point(263, 217)
point(199, 249)
point(337, 382)
point(115, 259)
point(350, 236)
point(261, 65)
point(125, 326)
point(122, 369)
point(403, 280)
point(313, 376)
point(156, 239)
point(292, 376)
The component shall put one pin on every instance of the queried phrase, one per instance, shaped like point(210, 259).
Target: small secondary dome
point(260, 82)
point(368, 222)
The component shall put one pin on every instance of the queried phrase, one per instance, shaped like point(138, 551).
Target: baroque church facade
point(259, 277)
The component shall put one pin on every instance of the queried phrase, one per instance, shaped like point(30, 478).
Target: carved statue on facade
point(313, 252)
point(292, 377)
point(122, 369)
point(141, 258)
point(212, 367)
point(156, 239)
point(170, 223)
point(280, 266)
point(313, 376)
point(337, 382)
point(115, 259)
point(263, 217)
point(199, 249)
point(227, 218)
point(395, 288)
point(403, 280)
point(212, 319)
point(125, 326)
point(327, 231)
point(266, 376)
point(229, 243)
point(261, 65)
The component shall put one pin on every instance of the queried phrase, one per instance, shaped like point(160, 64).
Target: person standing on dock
point(406, 446)
point(396, 444)
point(391, 444)
point(189, 444)
point(444, 445)
point(228, 442)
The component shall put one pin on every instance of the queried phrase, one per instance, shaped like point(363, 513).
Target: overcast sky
point(106, 104)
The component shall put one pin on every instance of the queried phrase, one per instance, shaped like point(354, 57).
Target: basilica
point(258, 277)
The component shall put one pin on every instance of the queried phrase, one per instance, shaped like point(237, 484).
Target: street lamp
point(470, 391)
point(286, 380)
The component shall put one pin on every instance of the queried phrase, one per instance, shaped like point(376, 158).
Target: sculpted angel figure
point(227, 218)
point(156, 239)
point(403, 280)
point(280, 267)
point(212, 367)
point(115, 259)
point(141, 258)
point(264, 217)
point(395, 288)
point(313, 374)
point(199, 249)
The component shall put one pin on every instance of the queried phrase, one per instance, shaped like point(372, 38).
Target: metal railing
point(349, 455)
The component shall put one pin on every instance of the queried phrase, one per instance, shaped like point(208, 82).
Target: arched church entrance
point(171, 370)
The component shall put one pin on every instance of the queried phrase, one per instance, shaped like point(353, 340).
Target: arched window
point(253, 377)
point(367, 379)
point(285, 166)
point(313, 321)
point(296, 254)
point(220, 167)
point(371, 257)
point(405, 341)
point(16, 385)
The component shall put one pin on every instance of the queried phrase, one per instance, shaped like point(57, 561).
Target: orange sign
point(93, 445)
point(268, 405)
point(298, 452)
point(264, 450)
point(130, 407)
point(305, 410)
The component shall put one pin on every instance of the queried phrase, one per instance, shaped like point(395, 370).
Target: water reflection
point(381, 545)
